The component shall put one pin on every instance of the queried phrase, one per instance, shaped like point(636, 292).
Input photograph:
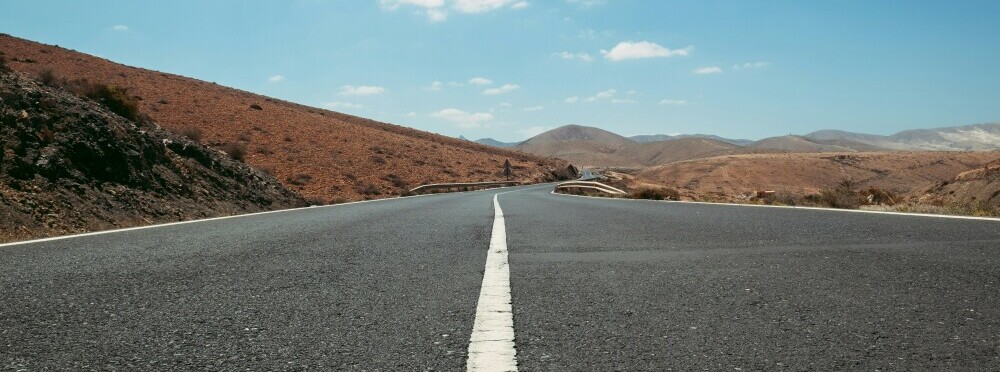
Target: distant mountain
point(667, 137)
point(792, 143)
point(495, 143)
point(977, 137)
point(588, 146)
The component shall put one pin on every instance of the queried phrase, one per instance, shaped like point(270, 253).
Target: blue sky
point(511, 68)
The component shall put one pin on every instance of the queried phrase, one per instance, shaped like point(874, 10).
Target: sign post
point(506, 168)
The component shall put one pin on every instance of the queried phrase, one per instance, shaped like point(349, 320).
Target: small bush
point(656, 194)
point(315, 201)
point(841, 196)
point(264, 150)
point(236, 151)
point(378, 159)
point(48, 78)
point(192, 133)
point(245, 137)
point(3, 64)
point(256, 107)
point(395, 180)
point(300, 179)
point(368, 189)
point(338, 200)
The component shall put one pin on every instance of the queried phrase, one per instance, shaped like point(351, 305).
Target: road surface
point(593, 285)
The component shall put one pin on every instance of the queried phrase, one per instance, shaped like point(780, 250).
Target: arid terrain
point(71, 165)
point(323, 155)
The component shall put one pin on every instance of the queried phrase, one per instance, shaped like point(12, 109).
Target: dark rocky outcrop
point(69, 164)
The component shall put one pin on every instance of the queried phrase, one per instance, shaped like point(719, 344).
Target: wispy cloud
point(673, 102)
point(361, 90)
point(586, 3)
point(506, 88)
point(119, 28)
point(642, 49)
point(750, 65)
point(435, 86)
point(573, 99)
point(480, 81)
point(607, 94)
point(534, 108)
point(581, 56)
point(462, 119)
point(708, 70)
point(437, 10)
point(276, 79)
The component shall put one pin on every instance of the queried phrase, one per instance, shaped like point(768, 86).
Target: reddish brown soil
point(321, 154)
point(725, 178)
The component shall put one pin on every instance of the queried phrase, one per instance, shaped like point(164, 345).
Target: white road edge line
point(112, 231)
point(993, 219)
point(491, 346)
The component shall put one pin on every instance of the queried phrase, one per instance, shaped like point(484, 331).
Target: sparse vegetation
point(192, 133)
point(3, 64)
point(236, 151)
point(841, 196)
point(395, 180)
point(48, 77)
point(655, 194)
point(368, 190)
point(378, 159)
point(299, 179)
point(256, 107)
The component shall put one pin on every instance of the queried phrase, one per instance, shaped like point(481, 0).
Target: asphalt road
point(595, 285)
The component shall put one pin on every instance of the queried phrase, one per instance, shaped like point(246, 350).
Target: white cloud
point(395, 4)
point(519, 5)
point(276, 79)
point(573, 99)
point(119, 28)
point(342, 105)
point(601, 95)
point(480, 81)
point(504, 104)
point(575, 56)
point(534, 108)
point(586, 3)
point(673, 102)
point(482, 6)
point(506, 88)
point(642, 49)
point(462, 119)
point(435, 86)
point(708, 70)
point(361, 90)
point(749, 65)
point(437, 15)
point(617, 100)
point(532, 131)
point(411, 114)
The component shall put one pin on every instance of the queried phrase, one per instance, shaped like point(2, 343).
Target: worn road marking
point(491, 347)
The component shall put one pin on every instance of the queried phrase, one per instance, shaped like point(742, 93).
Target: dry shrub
point(841, 196)
point(662, 193)
point(395, 180)
point(236, 151)
point(368, 190)
point(48, 78)
point(300, 179)
point(192, 133)
point(378, 159)
point(3, 64)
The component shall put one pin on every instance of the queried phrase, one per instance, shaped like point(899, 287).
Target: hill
point(320, 154)
point(580, 145)
point(977, 137)
point(667, 137)
point(495, 143)
point(977, 191)
point(792, 143)
point(726, 177)
point(663, 152)
point(71, 165)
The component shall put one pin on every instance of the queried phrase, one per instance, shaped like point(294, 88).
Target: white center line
point(491, 347)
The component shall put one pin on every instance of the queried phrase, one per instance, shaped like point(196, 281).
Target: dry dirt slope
point(319, 153)
point(70, 165)
point(726, 177)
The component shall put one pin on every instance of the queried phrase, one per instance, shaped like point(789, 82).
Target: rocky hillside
point(977, 190)
point(323, 155)
point(69, 164)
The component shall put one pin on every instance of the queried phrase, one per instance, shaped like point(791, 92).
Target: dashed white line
point(491, 347)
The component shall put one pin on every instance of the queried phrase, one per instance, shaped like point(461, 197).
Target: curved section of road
point(594, 285)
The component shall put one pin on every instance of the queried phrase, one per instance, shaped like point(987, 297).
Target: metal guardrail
point(460, 185)
point(591, 186)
